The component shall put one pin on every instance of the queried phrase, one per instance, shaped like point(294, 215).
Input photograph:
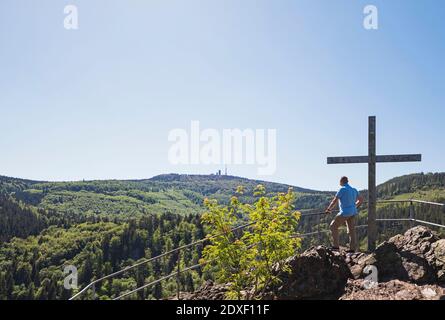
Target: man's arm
point(332, 205)
point(359, 201)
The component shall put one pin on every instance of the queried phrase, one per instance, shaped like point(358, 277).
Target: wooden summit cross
point(371, 160)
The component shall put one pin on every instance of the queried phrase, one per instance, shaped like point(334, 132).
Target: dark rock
point(317, 273)
point(389, 262)
point(408, 257)
point(417, 256)
point(416, 240)
point(438, 260)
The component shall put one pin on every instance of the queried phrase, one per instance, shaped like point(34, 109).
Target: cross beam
point(385, 158)
point(371, 159)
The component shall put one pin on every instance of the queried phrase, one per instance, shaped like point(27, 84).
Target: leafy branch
point(247, 261)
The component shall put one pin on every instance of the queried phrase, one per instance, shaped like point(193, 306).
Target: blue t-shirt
point(347, 196)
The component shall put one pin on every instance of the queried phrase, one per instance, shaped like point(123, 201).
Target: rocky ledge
point(391, 290)
point(408, 267)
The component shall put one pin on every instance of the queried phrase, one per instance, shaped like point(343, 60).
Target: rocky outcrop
point(418, 256)
point(409, 267)
point(317, 273)
point(392, 290)
point(415, 258)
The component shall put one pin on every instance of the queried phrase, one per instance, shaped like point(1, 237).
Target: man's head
point(344, 180)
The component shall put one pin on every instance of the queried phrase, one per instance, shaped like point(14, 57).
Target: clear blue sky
point(99, 102)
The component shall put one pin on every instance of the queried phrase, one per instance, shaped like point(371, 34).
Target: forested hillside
point(19, 220)
point(104, 226)
point(412, 183)
point(32, 268)
point(172, 193)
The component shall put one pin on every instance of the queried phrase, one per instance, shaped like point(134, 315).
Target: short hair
point(344, 179)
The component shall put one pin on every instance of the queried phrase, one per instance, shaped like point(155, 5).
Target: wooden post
point(372, 193)
point(411, 214)
point(442, 216)
point(442, 220)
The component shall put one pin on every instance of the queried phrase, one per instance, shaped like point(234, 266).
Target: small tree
point(247, 260)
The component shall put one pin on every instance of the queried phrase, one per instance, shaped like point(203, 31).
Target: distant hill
point(168, 193)
point(184, 194)
point(9, 185)
point(412, 183)
point(222, 182)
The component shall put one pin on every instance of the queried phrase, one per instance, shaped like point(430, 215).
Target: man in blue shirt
point(350, 200)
